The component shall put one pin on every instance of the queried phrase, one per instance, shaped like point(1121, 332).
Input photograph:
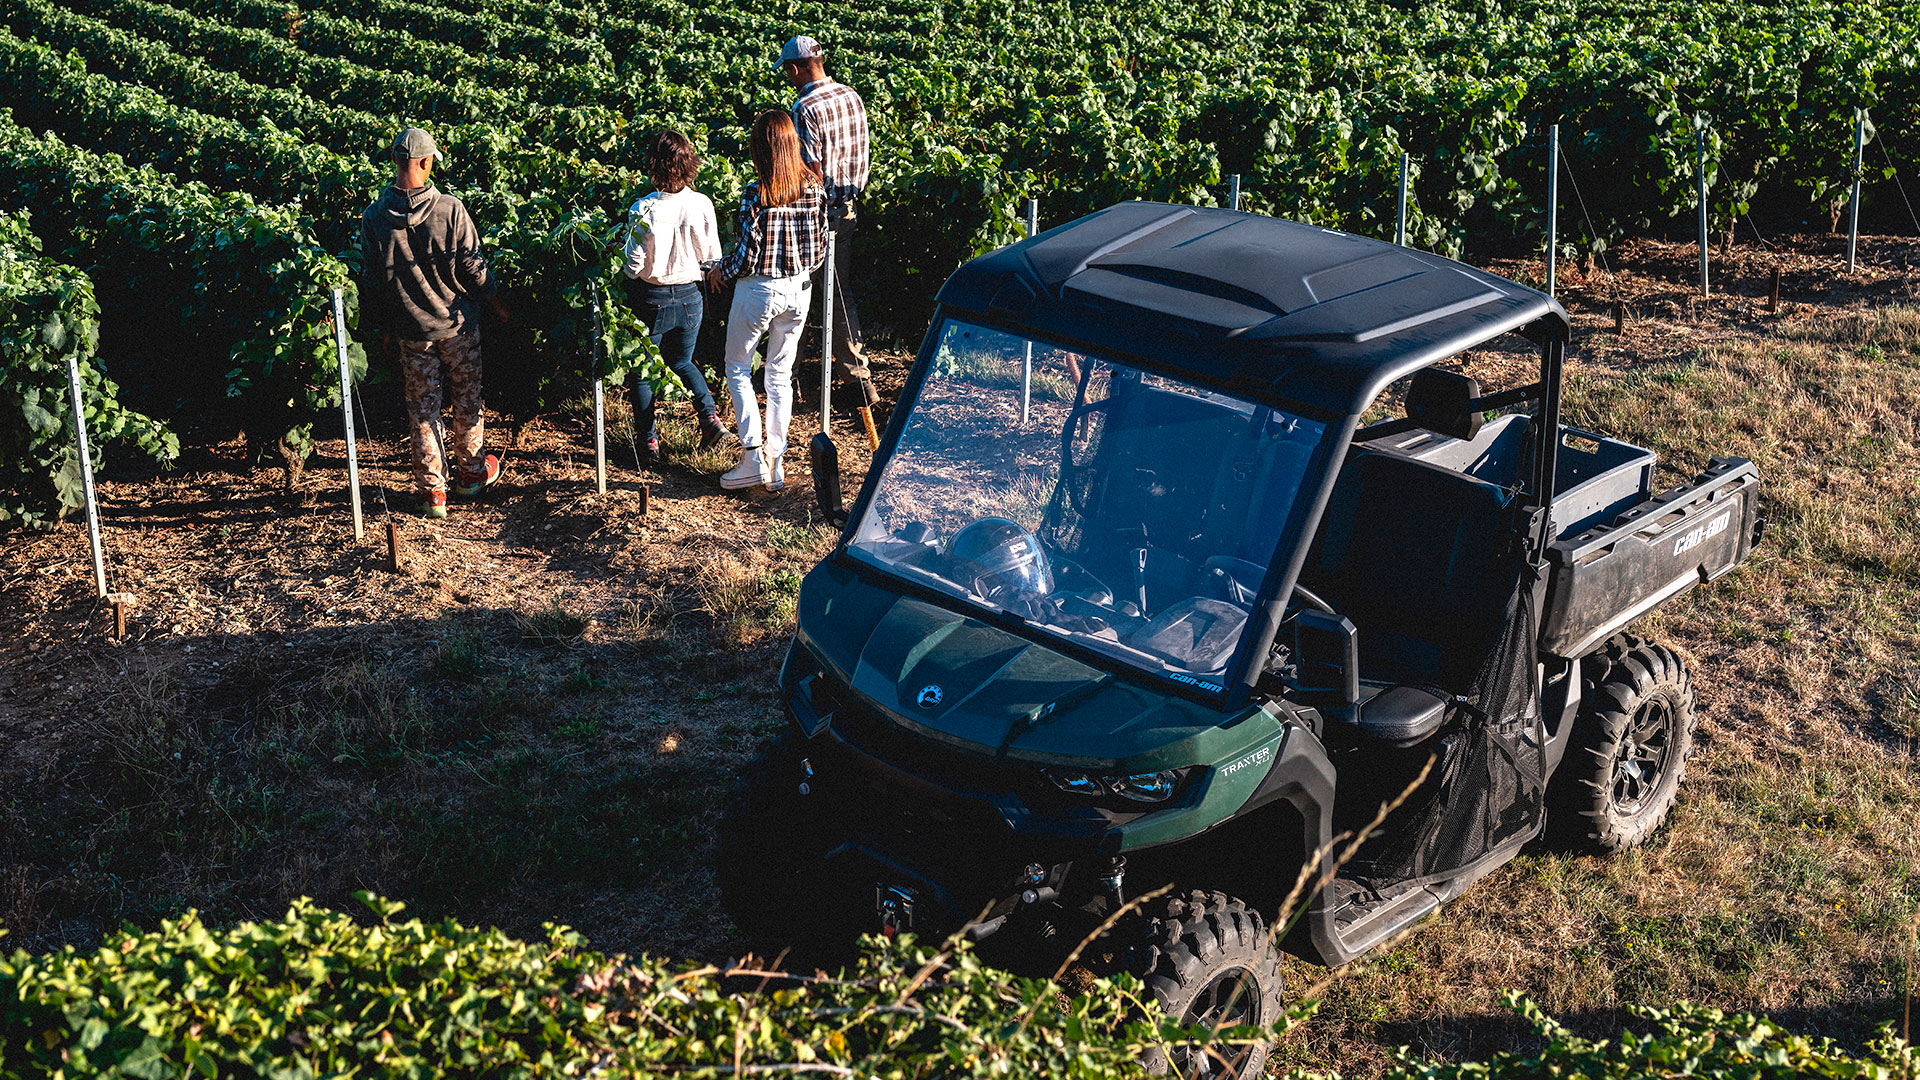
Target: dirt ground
point(536, 718)
point(648, 619)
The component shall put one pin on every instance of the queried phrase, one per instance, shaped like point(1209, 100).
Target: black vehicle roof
point(1268, 308)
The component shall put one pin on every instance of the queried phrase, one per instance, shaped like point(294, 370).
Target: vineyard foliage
point(317, 993)
point(276, 112)
point(48, 315)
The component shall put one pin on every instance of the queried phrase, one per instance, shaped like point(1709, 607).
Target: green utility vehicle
point(1131, 598)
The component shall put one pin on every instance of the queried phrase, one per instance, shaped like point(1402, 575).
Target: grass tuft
point(463, 651)
point(553, 625)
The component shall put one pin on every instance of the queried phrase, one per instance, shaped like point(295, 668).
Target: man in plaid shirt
point(831, 121)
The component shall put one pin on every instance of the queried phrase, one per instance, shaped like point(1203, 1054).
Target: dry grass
point(1789, 877)
point(535, 722)
point(748, 596)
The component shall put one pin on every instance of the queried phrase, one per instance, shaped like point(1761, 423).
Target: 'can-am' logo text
point(1702, 533)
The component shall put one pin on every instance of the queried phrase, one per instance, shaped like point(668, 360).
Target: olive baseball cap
point(413, 144)
point(798, 48)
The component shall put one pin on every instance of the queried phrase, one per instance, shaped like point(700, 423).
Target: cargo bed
point(1611, 574)
point(1620, 550)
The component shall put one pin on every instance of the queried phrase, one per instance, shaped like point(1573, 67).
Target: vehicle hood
point(972, 685)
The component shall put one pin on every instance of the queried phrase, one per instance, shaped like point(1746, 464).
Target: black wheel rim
point(1230, 999)
point(1641, 764)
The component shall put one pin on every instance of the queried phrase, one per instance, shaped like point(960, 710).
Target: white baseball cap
point(798, 48)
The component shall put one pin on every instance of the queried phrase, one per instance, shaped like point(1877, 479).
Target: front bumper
point(970, 849)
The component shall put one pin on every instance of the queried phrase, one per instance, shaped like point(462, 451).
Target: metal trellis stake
point(1233, 191)
point(1853, 204)
point(823, 455)
point(1400, 227)
point(1700, 182)
point(86, 474)
point(827, 284)
point(599, 395)
point(346, 411)
point(1553, 204)
point(1026, 365)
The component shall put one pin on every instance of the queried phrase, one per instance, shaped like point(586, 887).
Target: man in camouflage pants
point(422, 269)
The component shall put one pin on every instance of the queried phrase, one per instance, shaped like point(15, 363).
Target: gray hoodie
point(422, 264)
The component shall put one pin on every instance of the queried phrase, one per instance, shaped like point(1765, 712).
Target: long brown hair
point(775, 149)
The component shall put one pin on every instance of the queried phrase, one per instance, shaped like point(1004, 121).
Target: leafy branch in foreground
point(317, 993)
point(1686, 1040)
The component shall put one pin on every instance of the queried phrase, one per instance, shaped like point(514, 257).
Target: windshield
point(1128, 511)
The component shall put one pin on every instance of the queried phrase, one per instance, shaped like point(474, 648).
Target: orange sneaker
point(472, 483)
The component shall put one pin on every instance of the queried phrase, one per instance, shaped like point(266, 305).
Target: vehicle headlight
point(1077, 783)
point(1149, 787)
point(1144, 787)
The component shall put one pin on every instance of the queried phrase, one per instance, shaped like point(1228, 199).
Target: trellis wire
point(1897, 185)
point(1593, 234)
point(385, 510)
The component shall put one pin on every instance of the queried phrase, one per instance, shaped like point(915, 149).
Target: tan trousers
point(422, 361)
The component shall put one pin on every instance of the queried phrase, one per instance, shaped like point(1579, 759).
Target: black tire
point(1630, 748)
point(1206, 958)
point(770, 847)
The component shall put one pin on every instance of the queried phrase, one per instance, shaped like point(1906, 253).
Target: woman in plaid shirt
point(783, 228)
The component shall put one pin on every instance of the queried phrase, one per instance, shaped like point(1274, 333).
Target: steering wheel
point(1070, 577)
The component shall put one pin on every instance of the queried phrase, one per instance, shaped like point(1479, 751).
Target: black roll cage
point(1244, 674)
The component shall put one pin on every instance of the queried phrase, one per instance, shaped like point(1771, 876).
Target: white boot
point(779, 481)
point(751, 472)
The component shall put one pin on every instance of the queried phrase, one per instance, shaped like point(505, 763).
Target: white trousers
point(775, 307)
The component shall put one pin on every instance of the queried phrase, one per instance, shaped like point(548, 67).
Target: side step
point(1363, 918)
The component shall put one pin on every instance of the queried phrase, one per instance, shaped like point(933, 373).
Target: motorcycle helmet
point(1005, 560)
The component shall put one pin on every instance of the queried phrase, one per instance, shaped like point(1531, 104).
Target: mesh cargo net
point(1484, 791)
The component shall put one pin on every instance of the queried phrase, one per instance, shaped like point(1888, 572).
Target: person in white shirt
point(671, 238)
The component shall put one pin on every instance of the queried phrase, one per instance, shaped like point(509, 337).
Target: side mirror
point(1445, 402)
point(1326, 652)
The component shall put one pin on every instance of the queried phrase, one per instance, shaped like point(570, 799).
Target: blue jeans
point(672, 314)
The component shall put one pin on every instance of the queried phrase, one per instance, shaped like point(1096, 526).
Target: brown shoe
point(712, 432)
